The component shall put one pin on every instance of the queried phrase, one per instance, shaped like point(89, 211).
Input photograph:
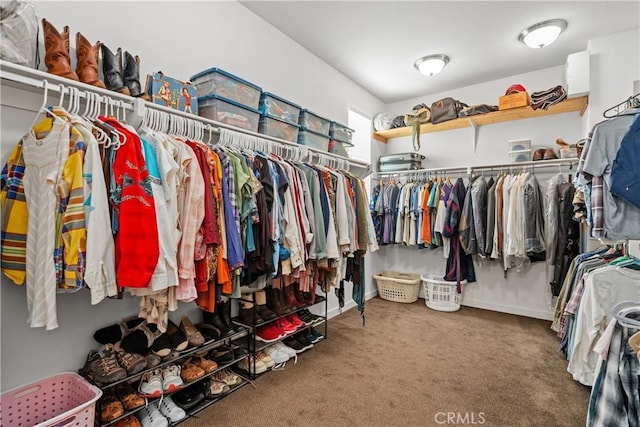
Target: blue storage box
point(215, 81)
point(341, 133)
point(313, 139)
point(277, 128)
point(314, 122)
point(227, 111)
point(273, 106)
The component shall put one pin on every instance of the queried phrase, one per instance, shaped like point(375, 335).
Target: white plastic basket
point(440, 294)
point(397, 286)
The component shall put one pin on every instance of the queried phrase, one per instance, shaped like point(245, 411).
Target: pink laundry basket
point(65, 399)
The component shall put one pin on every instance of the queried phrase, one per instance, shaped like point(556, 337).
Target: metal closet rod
point(471, 169)
point(36, 78)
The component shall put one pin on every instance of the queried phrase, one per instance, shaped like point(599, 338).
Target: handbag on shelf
point(474, 110)
point(419, 115)
point(446, 109)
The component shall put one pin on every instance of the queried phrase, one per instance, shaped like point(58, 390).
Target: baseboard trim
point(510, 309)
point(350, 304)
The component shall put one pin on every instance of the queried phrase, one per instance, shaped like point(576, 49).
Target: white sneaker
point(151, 384)
point(265, 358)
point(250, 363)
point(150, 416)
point(171, 379)
point(172, 411)
point(277, 355)
point(285, 349)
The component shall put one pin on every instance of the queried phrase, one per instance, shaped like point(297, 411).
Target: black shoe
point(304, 341)
point(238, 351)
point(209, 332)
point(214, 319)
point(224, 313)
point(222, 355)
point(190, 396)
point(294, 344)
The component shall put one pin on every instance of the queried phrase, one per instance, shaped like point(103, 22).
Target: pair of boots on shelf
point(221, 319)
point(125, 80)
point(271, 303)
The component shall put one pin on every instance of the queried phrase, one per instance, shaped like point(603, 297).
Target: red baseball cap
point(515, 89)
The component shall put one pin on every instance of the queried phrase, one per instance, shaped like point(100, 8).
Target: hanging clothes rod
point(470, 169)
point(25, 76)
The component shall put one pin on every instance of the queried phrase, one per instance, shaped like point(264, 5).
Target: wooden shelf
point(566, 106)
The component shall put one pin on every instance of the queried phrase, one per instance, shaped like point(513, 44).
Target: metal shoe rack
point(206, 347)
point(256, 345)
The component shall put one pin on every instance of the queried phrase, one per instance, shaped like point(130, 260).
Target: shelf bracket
point(474, 128)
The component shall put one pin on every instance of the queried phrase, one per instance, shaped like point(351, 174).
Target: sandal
point(191, 372)
point(137, 337)
point(110, 407)
point(129, 398)
point(194, 336)
point(179, 341)
point(206, 365)
point(130, 421)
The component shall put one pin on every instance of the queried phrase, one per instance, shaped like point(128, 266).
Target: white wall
point(520, 293)
point(181, 39)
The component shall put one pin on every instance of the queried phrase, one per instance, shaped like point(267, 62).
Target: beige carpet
point(411, 366)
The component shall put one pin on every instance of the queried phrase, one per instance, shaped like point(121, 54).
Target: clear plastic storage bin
point(314, 122)
point(341, 132)
point(520, 156)
point(278, 129)
point(519, 144)
point(64, 399)
point(313, 139)
point(339, 148)
point(276, 107)
point(215, 81)
point(227, 111)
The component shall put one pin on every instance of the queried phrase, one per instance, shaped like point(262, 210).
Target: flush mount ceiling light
point(543, 33)
point(432, 64)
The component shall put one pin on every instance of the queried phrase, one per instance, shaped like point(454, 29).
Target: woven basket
point(397, 286)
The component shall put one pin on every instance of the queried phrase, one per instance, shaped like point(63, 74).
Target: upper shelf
point(566, 106)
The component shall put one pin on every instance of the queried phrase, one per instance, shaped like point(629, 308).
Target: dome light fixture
point(543, 33)
point(432, 64)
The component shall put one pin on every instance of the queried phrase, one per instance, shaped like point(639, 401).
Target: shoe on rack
point(194, 336)
point(214, 388)
point(150, 416)
point(269, 333)
point(283, 348)
point(191, 372)
point(297, 293)
point(549, 154)
point(151, 384)
point(87, 64)
point(222, 355)
point(131, 76)
point(265, 358)
point(171, 378)
point(285, 325)
point(189, 396)
point(56, 55)
point(227, 377)
point(129, 421)
point(102, 367)
point(224, 313)
point(295, 320)
point(214, 320)
point(238, 351)
point(252, 365)
point(205, 364)
point(129, 398)
point(316, 336)
point(110, 407)
point(294, 344)
point(304, 341)
point(277, 355)
point(112, 70)
point(137, 337)
point(152, 360)
point(209, 332)
point(178, 338)
point(170, 410)
point(131, 362)
point(260, 301)
point(290, 298)
point(248, 312)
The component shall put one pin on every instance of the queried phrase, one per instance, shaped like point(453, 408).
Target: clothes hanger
point(43, 108)
point(621, 311)
point(633, 102)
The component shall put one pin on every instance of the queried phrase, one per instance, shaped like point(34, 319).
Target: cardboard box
point(515, 100)
point(172, 93)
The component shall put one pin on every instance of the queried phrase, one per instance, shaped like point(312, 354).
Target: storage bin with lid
point(277, 128)
point(519, 144)
point(398, 286)
point(227, 111)
point(313, 139)
point(63, 399)
point(339, 147)
point(215, 81)
point(568, 152)
point(520, 156)
point(279, 108)
point(341, 133)
point(314, 122)
point(440, 294)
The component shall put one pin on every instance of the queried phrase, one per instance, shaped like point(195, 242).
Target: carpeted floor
point(412, 366)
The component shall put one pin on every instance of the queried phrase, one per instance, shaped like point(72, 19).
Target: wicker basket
point(440, 294)
point(398, 287)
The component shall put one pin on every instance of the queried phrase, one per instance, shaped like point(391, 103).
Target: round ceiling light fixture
point(432, 64)
point(543, 33)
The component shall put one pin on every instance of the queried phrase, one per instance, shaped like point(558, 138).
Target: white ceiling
point(376, 43)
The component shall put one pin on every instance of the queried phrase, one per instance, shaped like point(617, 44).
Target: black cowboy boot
point(112, 70)
point(131, 76)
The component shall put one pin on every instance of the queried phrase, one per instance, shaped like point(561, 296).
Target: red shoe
point(269, 333)
point(295, 320)
point(286, 325)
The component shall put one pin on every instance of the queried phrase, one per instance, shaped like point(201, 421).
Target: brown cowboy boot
point(57, 51)
point(87, 67)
